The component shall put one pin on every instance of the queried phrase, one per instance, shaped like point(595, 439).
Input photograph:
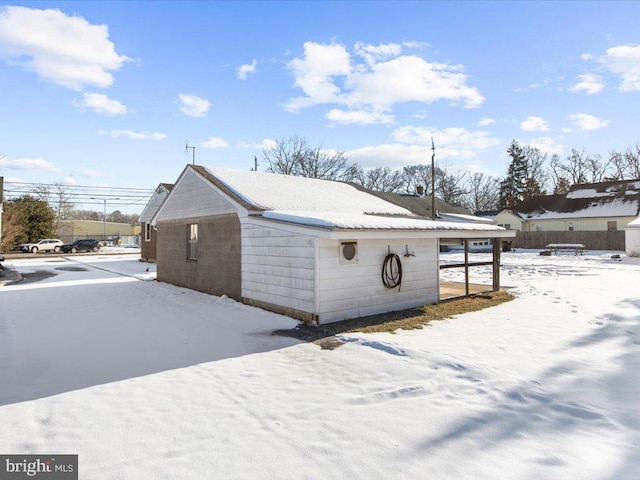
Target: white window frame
point(192, 241)
point(147, 232)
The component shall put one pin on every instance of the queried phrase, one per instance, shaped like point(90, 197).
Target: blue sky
point(107, 93)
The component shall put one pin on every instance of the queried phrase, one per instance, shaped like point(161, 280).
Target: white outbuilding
point(317, 250)
point(632, 238)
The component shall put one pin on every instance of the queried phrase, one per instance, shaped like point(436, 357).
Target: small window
point(570, 226)
point(348, 252)
point(612, 225)
point(147, 232)
point(192, 235)
point(538, 227)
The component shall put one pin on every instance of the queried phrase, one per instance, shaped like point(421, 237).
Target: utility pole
point(193, 151)
point(1, 201)
point(104, 218)
point(433, 180)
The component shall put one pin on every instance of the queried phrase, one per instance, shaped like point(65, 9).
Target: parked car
point(43, 245)
point(83, 245)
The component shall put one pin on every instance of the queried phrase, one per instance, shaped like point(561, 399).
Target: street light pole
point(104, 216)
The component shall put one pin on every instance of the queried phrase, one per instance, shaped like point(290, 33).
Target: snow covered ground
point(145, 380)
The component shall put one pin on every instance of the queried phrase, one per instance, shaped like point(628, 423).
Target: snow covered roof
point(270, 191)
point(361, 221)
point(595, 200)
point(457, 217)
point(155, 202)
point(419, 205)
point(322, 204)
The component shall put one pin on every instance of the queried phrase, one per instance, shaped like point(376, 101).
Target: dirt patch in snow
point(325, 335)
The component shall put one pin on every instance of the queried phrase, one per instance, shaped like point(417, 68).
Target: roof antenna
point(433, 180)
point(193, 150)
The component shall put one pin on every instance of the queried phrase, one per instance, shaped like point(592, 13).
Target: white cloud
point(586, 56)
point(534, 124)
point(102, 104)
point(390, 155)
point(585, 121)
point(38, 164)
point(485, 122)
point(61, 49)
point(314, 74)
point(246, 69)
point(133, 135)
point(543, 83)
point(91, 173)
point(372, 53)
point(329, 74)
point(268, 144)
point(413, 145)
point(69, 180)
point(458, 142)
point(194, 106)
point(588, 83)
point(547, 145)
point(360, 117)
point(214, 142)
point(624, 60)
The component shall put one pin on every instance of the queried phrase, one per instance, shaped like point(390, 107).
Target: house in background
point(506, 218)
point(421, 205)
point(316, 250)
point(149, 233)
point(604, 206)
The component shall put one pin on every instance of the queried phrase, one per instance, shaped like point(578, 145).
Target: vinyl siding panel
point(194, 197)
point(278, 268)
point(355, 290)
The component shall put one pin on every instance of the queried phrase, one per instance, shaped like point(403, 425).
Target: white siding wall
point(355, 290)
point(154, 204)
point(632, 242)
point(278, 267)
point(194, 197)
point(579, 224)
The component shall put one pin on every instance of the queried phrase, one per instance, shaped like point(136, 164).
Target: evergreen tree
point(513, 186)
point(29, 219)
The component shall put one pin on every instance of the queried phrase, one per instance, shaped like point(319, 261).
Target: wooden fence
point(606, 240)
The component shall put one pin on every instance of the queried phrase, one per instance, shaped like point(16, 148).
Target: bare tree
point(561, 183)
point(380, 179)
point(450, 186)
point(580, 167)
point(537, 176)
point(415, 176)
point(59, 198)
point(632, 159)
point(483, 192)
point(618, 164)
point(295, 156)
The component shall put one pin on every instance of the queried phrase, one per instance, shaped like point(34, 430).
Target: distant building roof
point(418, 205)
point(604, 199)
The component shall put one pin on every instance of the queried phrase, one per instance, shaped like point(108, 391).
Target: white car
point(44, 245)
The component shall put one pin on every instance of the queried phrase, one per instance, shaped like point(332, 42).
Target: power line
point(80, 195)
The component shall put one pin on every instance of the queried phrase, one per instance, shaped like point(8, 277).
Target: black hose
point(392, 271)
